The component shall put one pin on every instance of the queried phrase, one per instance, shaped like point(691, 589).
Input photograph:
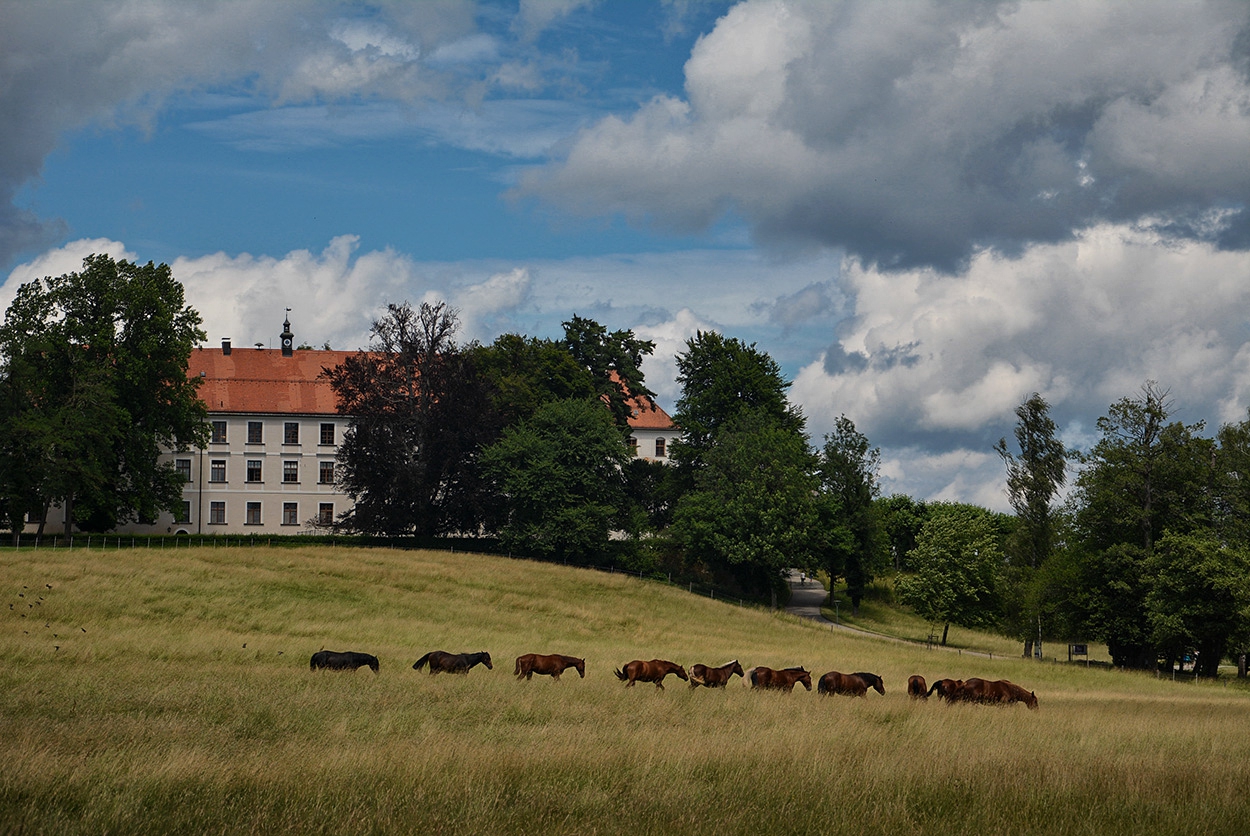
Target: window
point(253, 470)
point(290, 513)
point(183, 468)
point(216, 513)
point(255, 432)
point(325, 473)
point(217, 470)
point(253, 514)
point(659, 448)
point(327, 434)
point(219, 432)
point(290, 470)
point(290, 432)
point(325, 513)
point(633, 446)
point(184, 512)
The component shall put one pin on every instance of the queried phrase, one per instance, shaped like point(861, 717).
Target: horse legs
point(556, 676)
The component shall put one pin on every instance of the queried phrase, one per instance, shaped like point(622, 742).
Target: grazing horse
point(998, 691)
point(850, 684)
point(714, 677)
point(947, 689)
point(552, 666)
point(917, 689)
point(442, 662)
point(781, 680)
point(348, 660)
point(652, 671)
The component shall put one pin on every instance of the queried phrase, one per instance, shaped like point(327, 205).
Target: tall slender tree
point(848, 471)
point(1034, 477)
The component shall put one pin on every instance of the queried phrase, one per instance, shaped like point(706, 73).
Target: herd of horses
point(975, 690)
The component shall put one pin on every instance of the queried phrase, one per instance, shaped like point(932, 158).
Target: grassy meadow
point(169, 692)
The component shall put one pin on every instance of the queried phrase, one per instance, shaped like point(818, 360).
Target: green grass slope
point(169, 692)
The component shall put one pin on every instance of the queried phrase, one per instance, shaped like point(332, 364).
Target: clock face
point(286, 341)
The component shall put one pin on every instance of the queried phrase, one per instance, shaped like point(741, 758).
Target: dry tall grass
point(187, 706)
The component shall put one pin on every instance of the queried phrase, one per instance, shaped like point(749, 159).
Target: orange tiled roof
point(262, 381)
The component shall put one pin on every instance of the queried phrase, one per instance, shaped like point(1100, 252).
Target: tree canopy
point(95, 389)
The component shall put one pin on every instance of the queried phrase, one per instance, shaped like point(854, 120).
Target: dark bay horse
point(714, 677)
point(917, 689)
point(347, 660)
point(850, 684)
point(781, 680)
point(552, 666)
point(442, 662)
point(652, 671)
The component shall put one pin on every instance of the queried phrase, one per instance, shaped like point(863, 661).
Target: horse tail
point(620, 674)
point(822, 686)
point(748, 681)
point(420, 663)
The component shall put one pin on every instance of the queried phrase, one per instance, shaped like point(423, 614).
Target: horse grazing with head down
point(714, 677)
point(917, 689)
point(347, 660)
point(552, 666)
point(779, 680)
point(947, 689)
point(653, 671)
point(443, 662)
point(850, 684)
point(997, 691)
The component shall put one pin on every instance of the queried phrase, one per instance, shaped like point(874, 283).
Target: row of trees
point(1148, 554)
point(526, 439)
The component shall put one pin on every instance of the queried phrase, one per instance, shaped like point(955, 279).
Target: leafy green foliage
point(95, 390)
point(560, 473)
point(614, 361)
point(957, 559)
point(756, 508)
point(848, 467)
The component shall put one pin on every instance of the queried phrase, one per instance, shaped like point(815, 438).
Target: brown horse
point(347, 660)
point(947, 689)
point(850, 684)
point(998, 691)
point(781, 680)
point(652, 671)
point(917, 688)
point(443, 662)
point(714, 677)
point(552, 666)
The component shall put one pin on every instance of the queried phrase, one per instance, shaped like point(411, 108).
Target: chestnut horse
point(917, 689)
point(998, 691)
point(443, 662)
point(781, 680)
point(552, 666)
point(851, 684)
point(947, 689)
point(348, 660)
point(714, 677)
point(652, 671)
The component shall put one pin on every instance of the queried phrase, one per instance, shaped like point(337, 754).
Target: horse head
point(580, 664)
point(486, 660)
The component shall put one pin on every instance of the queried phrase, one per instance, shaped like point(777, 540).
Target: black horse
point(443, 662)
point(349, 660)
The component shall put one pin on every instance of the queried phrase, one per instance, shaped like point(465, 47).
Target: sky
point(923, 211)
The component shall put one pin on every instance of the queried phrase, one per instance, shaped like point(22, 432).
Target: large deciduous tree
point(560, 474)
point(1144, 477)
point(957, 559)
point(756, 505)
point(614, 361)
point(409, 458)
point(95, 389)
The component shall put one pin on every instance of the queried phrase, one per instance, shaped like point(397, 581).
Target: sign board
point(1078, 650)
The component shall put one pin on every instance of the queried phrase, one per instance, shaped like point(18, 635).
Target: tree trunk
point(945, 629)
point(1028, 648)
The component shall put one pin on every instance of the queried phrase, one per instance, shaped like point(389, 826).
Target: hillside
point(169, 691)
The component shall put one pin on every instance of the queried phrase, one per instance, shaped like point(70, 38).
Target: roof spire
point(288, 339)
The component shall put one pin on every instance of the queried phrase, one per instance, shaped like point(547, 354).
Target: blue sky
point(925, 211)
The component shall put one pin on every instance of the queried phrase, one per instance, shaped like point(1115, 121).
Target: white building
point(269, 466)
